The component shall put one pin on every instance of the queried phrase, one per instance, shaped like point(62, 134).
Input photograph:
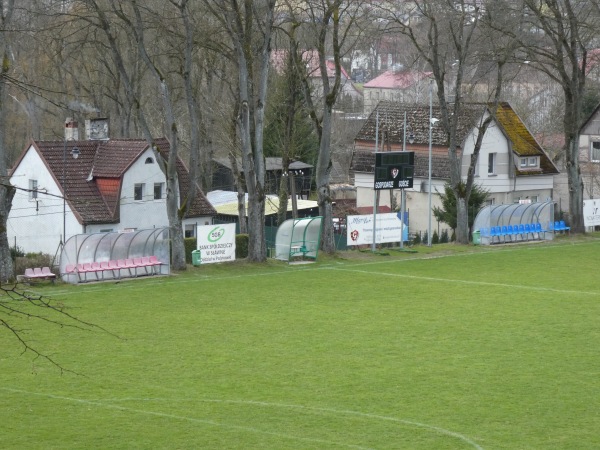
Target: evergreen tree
point(447, 213)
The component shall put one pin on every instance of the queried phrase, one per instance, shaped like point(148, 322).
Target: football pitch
point(446, 348)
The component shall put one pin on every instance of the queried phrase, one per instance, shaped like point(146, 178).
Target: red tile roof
point(91, 183)
point(397, 80)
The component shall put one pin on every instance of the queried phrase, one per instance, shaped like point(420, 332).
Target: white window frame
point(524, 162)
point(138, 191)
point(595, 151)
point(492, 162)
point(33, 189)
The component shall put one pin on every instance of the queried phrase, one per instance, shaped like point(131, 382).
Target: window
point(595, 152)
point(189, 231)
point(158, 191)
point(529, 162)
point(149, 161)
point(33, 189)
point(138, 191)
point(492, 164)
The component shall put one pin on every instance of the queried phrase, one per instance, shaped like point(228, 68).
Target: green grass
point(446, 348)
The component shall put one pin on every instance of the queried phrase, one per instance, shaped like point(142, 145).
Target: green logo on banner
point(215, 234)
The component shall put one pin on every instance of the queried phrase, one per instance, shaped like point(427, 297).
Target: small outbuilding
point(105, 256)
point(298, 238)
point(514, 223)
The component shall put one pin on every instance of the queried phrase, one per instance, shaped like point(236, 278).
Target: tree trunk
point(6, 192)
point(575, 183)
point(462, 220)
point(322, 179)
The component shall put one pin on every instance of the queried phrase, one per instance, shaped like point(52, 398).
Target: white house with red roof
point(77, 186)
point(404, 86)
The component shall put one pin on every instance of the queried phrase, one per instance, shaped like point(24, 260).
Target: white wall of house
point(589, 158)
point(499, 178)
point(35, 223)
point(145, 211)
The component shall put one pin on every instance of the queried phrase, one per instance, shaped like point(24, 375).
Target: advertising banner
point(216, 243)
point(591, 212)
point(389, 229)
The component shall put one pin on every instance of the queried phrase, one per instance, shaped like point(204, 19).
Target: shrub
point(241, 246)
point(31, 260)
point(425, 238)
point(417, 239)
point(444, 237)
point(435, 238)
point(190, 246)
point(16, 251)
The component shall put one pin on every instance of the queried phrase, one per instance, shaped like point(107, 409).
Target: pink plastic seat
point(130, 264)
point(46, 272)
point(114, 266)
point(104, 267)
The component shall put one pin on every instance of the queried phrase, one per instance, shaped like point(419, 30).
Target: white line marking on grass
point(478, 283)
point(183, 418)
point(433, 428)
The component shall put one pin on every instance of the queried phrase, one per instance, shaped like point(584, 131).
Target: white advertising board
point(216, 243)
point(359, 229)
point(591, 212)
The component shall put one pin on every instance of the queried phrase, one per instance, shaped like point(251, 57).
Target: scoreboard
point(394, 170)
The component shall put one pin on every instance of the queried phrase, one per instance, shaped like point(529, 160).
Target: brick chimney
point(71, 130)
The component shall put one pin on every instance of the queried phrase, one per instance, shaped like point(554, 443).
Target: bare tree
point(250, 26)
point(7, 192)
point(554, 37)
point(449, 38)
point(330, 24)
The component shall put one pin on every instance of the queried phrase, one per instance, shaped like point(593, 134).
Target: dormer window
point(529, 162)
point(595, 152)
point(149, 160)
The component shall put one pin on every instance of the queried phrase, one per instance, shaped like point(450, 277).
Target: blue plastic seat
point(564, 227)
point(539, 230)
point(528, 230)
point(512, 231)
point(493, 234)
point(522, 231)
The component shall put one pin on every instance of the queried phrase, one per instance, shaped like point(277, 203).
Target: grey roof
point(391, 123)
